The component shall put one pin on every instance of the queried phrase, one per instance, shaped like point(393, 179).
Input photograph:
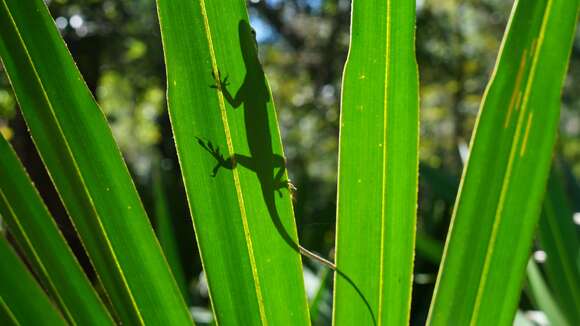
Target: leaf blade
point(560, 241)
point(18, 286)
point(542, 295)
point(240, 148)
point(36, 232)
point(76, 145)
point(166, 229)
point(501, 189)
point(377, 191)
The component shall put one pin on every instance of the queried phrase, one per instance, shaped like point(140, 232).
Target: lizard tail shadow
point(269, 189)
point(270, 203)
point(277, 221)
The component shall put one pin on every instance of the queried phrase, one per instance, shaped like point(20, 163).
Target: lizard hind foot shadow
point(279, 185)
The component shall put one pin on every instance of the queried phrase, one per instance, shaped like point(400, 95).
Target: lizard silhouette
point(254, 96)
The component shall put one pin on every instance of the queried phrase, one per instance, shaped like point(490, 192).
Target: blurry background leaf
point(559, 239)
point(541, 294)
point(167, 229)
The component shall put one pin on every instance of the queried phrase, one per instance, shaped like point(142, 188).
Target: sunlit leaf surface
point(231, 158)
point(499, 200)
point(377, 181)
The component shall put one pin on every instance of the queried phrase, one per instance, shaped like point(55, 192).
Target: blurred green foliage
point(303, 46)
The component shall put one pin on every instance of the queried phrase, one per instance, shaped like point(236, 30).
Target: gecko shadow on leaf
point(254, 95)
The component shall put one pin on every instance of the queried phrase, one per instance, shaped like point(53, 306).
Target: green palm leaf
point(37, 234)
point(22, 301)
point(76, 145)
point(232, 163)
point(377, 179)
point(559, 238)
point(503, 184)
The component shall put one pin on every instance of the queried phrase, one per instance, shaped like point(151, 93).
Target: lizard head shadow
point(270, 168)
